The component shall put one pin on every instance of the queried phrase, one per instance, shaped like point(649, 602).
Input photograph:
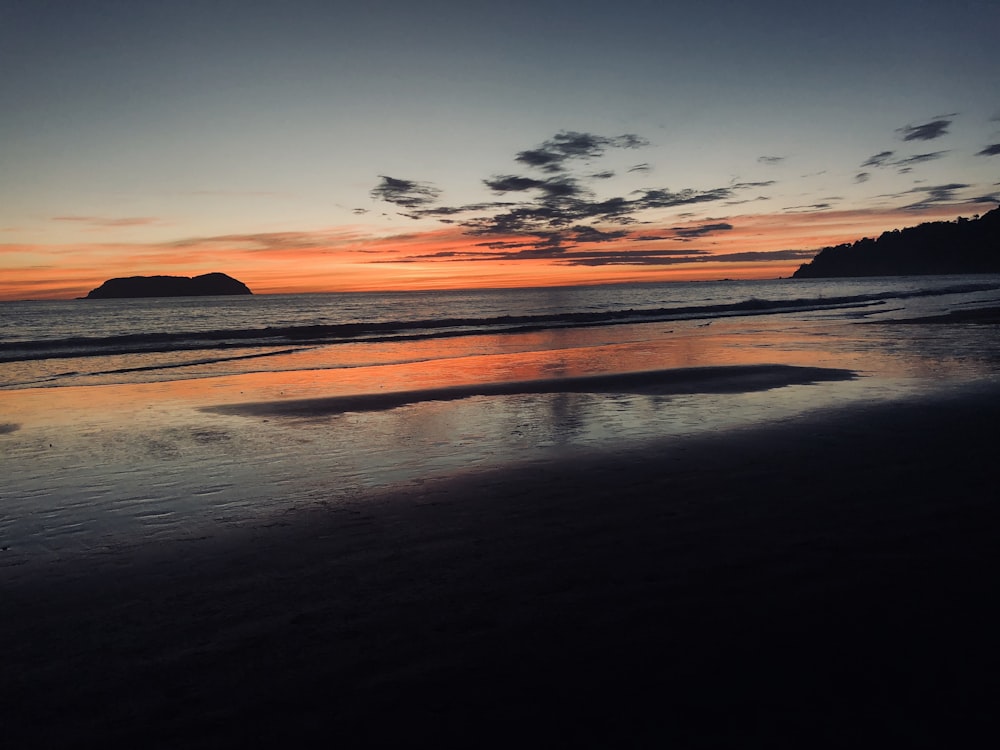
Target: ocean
point(101, 342)
point(124, 422)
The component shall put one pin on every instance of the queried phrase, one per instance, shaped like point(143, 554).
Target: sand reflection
point(89, 467)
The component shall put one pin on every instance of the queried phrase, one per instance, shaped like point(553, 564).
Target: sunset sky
point(315, 145)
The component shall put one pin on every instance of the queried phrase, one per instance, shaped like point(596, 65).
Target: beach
point(747, 514)
point(824, 579)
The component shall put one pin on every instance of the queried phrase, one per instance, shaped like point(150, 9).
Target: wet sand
point(826, 581)
point(719, 379)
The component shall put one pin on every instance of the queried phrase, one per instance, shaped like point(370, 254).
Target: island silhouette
point(939, 247)
point(206, 285)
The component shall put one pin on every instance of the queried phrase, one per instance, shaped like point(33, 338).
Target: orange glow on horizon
point(354, 259)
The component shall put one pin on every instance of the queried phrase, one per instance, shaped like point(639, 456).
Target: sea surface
point(113, 435)
point(99, 342)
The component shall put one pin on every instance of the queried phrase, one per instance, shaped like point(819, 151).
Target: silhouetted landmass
point(962, 246)
point(206, 285)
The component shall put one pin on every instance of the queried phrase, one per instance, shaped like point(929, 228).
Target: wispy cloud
point(553, 154)
point(269, 241)
point(808, 207)
point(664, 258)
point(240, 193)
point(630, 257)
point(770, 160)
point(881, 159)
point(927, 131)
point(918, 159)
point(105, 222)
point(934, 194)
point(747, 200)
point(992, 150)
point(904, 164)
point(573, 257)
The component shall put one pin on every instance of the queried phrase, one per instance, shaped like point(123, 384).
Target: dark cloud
point(862, 177)
point(650, 257)
point(405, 193)
point(562, 188)
point(928, 131)
point(557, 210)
point(583, 233)
point(939, 193)
point(991, 150)
point(765, 255)
point(510, 251)
point(704, 229)
point(770, 160)
point(438, 211)
point(885, 159)
point(936, 194)
point(636, 258)
point(651, 237)
point(640, 168)
point(512, 183)
point(660, 198)
point(552, 155)
point(664, 257)
point(880, 159)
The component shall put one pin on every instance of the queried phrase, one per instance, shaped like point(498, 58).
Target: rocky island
point(206, 285)
point(940, 247)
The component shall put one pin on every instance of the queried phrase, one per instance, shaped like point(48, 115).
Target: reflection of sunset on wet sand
point(371, 414)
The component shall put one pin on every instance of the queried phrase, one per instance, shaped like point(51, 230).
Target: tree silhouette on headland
point(961, 246)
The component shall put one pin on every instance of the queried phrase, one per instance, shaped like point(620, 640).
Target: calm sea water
point(111, 438)
point(99, 342)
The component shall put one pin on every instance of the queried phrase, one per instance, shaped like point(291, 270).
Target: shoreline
point(825, 579)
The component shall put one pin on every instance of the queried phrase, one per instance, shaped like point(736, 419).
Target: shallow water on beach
point(107, 342)
point(98, 469)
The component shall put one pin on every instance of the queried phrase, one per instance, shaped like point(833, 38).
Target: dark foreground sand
point(825, 582)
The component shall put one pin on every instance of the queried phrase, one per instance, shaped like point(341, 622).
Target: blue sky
point(137, 124)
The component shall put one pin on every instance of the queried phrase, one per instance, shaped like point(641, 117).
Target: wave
point(401, 330)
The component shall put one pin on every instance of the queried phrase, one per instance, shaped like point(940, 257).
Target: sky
point(326, 146)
